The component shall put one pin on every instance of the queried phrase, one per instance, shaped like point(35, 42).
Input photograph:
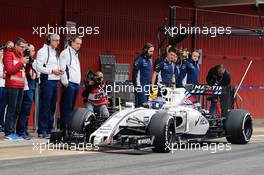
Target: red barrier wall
point(126, 25)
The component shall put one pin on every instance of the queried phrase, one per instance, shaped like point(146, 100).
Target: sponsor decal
point(201, 120)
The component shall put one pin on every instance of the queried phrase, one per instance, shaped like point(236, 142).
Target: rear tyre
point(162, 127)
point(239, 126)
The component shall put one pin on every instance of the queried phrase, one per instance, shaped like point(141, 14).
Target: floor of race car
point(25, 157)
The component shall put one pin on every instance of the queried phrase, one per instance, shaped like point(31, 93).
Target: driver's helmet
point(157, 103)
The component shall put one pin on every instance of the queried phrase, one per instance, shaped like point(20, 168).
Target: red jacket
point(14, 69)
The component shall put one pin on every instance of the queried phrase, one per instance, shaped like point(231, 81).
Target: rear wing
point(203, 89)
point(203, 93)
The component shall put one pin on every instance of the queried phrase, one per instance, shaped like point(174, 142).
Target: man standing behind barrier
point(70, 64)
point(29, 93)
point(47, 63)
point(14, 63)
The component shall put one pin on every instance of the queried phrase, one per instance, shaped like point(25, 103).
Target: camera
point(2, 46)
point(90, 76)
point(27, 55)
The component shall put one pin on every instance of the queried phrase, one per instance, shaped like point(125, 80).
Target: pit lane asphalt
point(241, 159)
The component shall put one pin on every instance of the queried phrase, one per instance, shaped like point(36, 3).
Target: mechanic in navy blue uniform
point(189, 72)
point(141, 75)
point(164, 70)
point(217, 76)
point(159, 59)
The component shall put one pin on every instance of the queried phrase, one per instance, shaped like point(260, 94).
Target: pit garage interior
point(125, 26)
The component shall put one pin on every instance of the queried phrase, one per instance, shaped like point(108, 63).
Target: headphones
point(48, 39)
point(72, 38)
point(49, 36)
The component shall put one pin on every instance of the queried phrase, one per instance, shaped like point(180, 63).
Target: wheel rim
point(170, 134)
point(247, 131)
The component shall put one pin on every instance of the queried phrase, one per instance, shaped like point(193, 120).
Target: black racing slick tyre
point(78, 118)
point(239, 126)
point(162, 127)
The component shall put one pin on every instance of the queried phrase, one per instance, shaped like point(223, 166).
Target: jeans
point(3, 102)
point(101, 109)
point(214, 100)
point(14, 100)
point(68, 100)
point(47, 104)
point(22, 123)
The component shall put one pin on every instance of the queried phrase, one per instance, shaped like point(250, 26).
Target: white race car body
point(189, 120)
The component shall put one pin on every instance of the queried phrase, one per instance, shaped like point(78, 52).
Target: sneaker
point(41, 136)
point(25, 137)
point(44, 136)
point(47, 136)
point(17, 137)
point(12, 137)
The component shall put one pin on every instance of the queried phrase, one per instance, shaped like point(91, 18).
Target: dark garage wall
point(126, 25)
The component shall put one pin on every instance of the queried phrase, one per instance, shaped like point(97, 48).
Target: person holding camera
point(94, 97)
point(47, 63)
point(3, 100)
point(29, 92)
point(14, 63)
point(71, 79)
point(189, 70)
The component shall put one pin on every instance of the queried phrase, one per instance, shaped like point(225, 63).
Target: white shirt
point(51, 63)
point(70, 58)
point(2, 80)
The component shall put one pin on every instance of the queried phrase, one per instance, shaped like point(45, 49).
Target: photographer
point(14, 63)
point(29, 92)
point(3, 100)
point(94, 97)
point(70, 64)
point(47, 63)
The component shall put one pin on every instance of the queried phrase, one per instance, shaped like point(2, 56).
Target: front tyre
point(162, 127)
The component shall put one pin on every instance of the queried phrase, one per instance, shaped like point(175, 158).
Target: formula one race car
point(178, 115)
